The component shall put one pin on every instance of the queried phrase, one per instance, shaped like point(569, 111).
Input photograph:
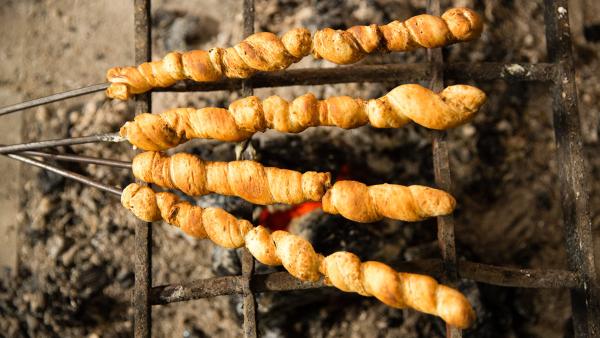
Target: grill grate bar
point(396, 73)
point(441, 168)
point(142, 319)
point(460, 71)
point(283, 281)
point(574, 183)
point(249, 326)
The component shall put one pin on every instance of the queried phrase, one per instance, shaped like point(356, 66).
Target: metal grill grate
point(581, 279)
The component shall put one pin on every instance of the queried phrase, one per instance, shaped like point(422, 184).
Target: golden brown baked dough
point(267, 52)
point(215, 223)
point(411, 102)
point(421, 31)
point(266, 185)
point(346, 272)
point(246, 179)
point(343, 270)
point(361, 203)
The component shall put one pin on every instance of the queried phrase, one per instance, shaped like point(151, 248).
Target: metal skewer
point(53, 98)
point(67, 174)
point(79, 159)
point(15, 148)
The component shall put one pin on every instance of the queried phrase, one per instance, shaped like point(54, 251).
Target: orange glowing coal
point(279, 220)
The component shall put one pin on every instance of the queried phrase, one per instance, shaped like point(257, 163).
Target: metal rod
point(441, 162)
point(249, 326)
point(283, 281)
point(314, 76)
point(53, 98)
point(519, 278)
point(441, 167)
point(79, 159)
point(66, 173)
point(143, 230)
point(15, 148)
point(572, 174)
point(396, 73)
point(248, 294)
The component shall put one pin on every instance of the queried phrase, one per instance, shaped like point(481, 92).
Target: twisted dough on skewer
point(246, 179)
point(215, 223)
point(361, 203)
point(267, 52)
point(411, 102)
point(265, 185)
point(343, 270)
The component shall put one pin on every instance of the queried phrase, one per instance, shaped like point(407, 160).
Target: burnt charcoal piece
point(49, 181)
point(179, 30)
point(292, 152)
point(592, 32)
point(329, 233)
point(192, 330)
point(225, 262)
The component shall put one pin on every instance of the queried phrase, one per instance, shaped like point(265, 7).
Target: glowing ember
point(279, 220)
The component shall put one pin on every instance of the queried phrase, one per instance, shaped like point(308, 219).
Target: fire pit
point(581, 277)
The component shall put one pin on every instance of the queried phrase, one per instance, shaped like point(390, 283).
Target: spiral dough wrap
point(246, 179)
point(411, 102)
point(343, 270)
point(361, 203)
point(267, 52)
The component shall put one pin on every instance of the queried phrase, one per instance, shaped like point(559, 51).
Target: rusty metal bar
point(204, 288)
point(248, 294)
point(314, 76)
point(143, 230)
point(441, 167)
point(518, 278)
point(574, 183)
point(249, 326)
point(396, 73)
point(441, 163)
point(229, 285)
point(283, 281)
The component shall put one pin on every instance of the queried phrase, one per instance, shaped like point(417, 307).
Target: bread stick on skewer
point(268, 52)
point(451, 107)
point(342, 270)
